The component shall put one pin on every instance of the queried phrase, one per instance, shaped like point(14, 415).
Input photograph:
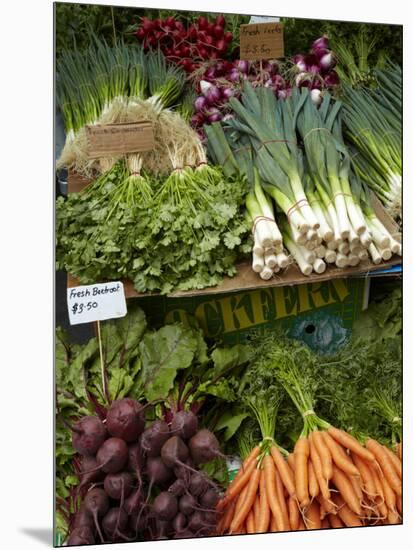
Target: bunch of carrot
point(330, 480)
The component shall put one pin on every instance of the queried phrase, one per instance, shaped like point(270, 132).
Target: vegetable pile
point(295, 153)
point(331, 478)
point(202, 40)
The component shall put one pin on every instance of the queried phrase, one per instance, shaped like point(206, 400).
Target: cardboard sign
point(105, 140)
point(261, 41)
point(88, 303)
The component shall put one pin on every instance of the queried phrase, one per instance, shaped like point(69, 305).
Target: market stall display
point(195, 173)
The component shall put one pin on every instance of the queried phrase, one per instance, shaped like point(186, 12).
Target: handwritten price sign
point(97, 302)
point(261, 41)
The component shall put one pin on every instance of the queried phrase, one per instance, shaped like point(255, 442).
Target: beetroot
point(210, 517)
point(196, 521)
point(88, 434)
point(179, 522)
point(184, 424)
point(112, 455)
point(135, 459)
point(81, 536)
point(83, 519)
point(118, 485)
point(154, 437)
point(198, 484)
point(178, 488)
point(165, 506)
point(174, 452)
point(158, 473)
point(187, 504)
point(125, 419)
point(204, 447)
point(209, 499)
point(90, 471)
point(133, 502)
point(115, 522)
point(185, 534)
point(96, 503)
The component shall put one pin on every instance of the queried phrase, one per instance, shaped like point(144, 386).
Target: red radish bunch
point(315, 70)
point(188, 47)
point(121, 462)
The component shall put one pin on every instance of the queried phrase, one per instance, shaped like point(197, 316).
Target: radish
point(81, 536)
point(96, 503)
point(125, 419)
point(184, 424)
point(88, 434)
point(165, 506)
point(204, 447)
point(113, 455)
point(154, 437)
point(118, 485)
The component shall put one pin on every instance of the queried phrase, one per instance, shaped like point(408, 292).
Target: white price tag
point(97, 302)
point(263, 19)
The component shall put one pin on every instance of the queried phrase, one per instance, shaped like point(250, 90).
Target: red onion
point(327, 62)
point(228, 116)
point(321, 42)
point(242, 65)
point(234, 75)
point(198, 119)
point(205, 86)
point(211, 73)
point(227, 93)
point(316, 96)
point(200, 103)
point(300, 63)
point(213, 95)
point(331, 79)
point(319, 52)
point(216, 117)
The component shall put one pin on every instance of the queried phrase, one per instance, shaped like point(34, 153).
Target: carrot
point(318, 470)
point(241, 514)
point(356, 484)
point(325, 523)
point(273, 525)
point(257, 507)
point(262, 521)
point(284, 470)
point(393, 518)
point(293, 513)
point(347, 516)
point(247, 461)
point(312, 516)
point(291, 462)
point(343, 484)
point(301, 453)
point(313, 487)
point(301, 525)
point(227, 518)
point(351, 443)
point(236, 486)
point(339, 456)
point(250, 524)
point(386, 465)
point(324, 454)
point(326, 506)
point(399, 504)
point(271, 492)
point(367, 479)
point(281, 498)
point(397, 464)
point(335, 521)
point(389, 495)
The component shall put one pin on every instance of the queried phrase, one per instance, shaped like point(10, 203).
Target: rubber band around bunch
point(276, 141)
point(231, 153)
point(259, 219)
point(308, 413)
point(294, 207)
point(339, 194)
point(314, 130)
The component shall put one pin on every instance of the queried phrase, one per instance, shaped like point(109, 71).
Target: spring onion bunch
point(294, 153)
point(372, 121)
